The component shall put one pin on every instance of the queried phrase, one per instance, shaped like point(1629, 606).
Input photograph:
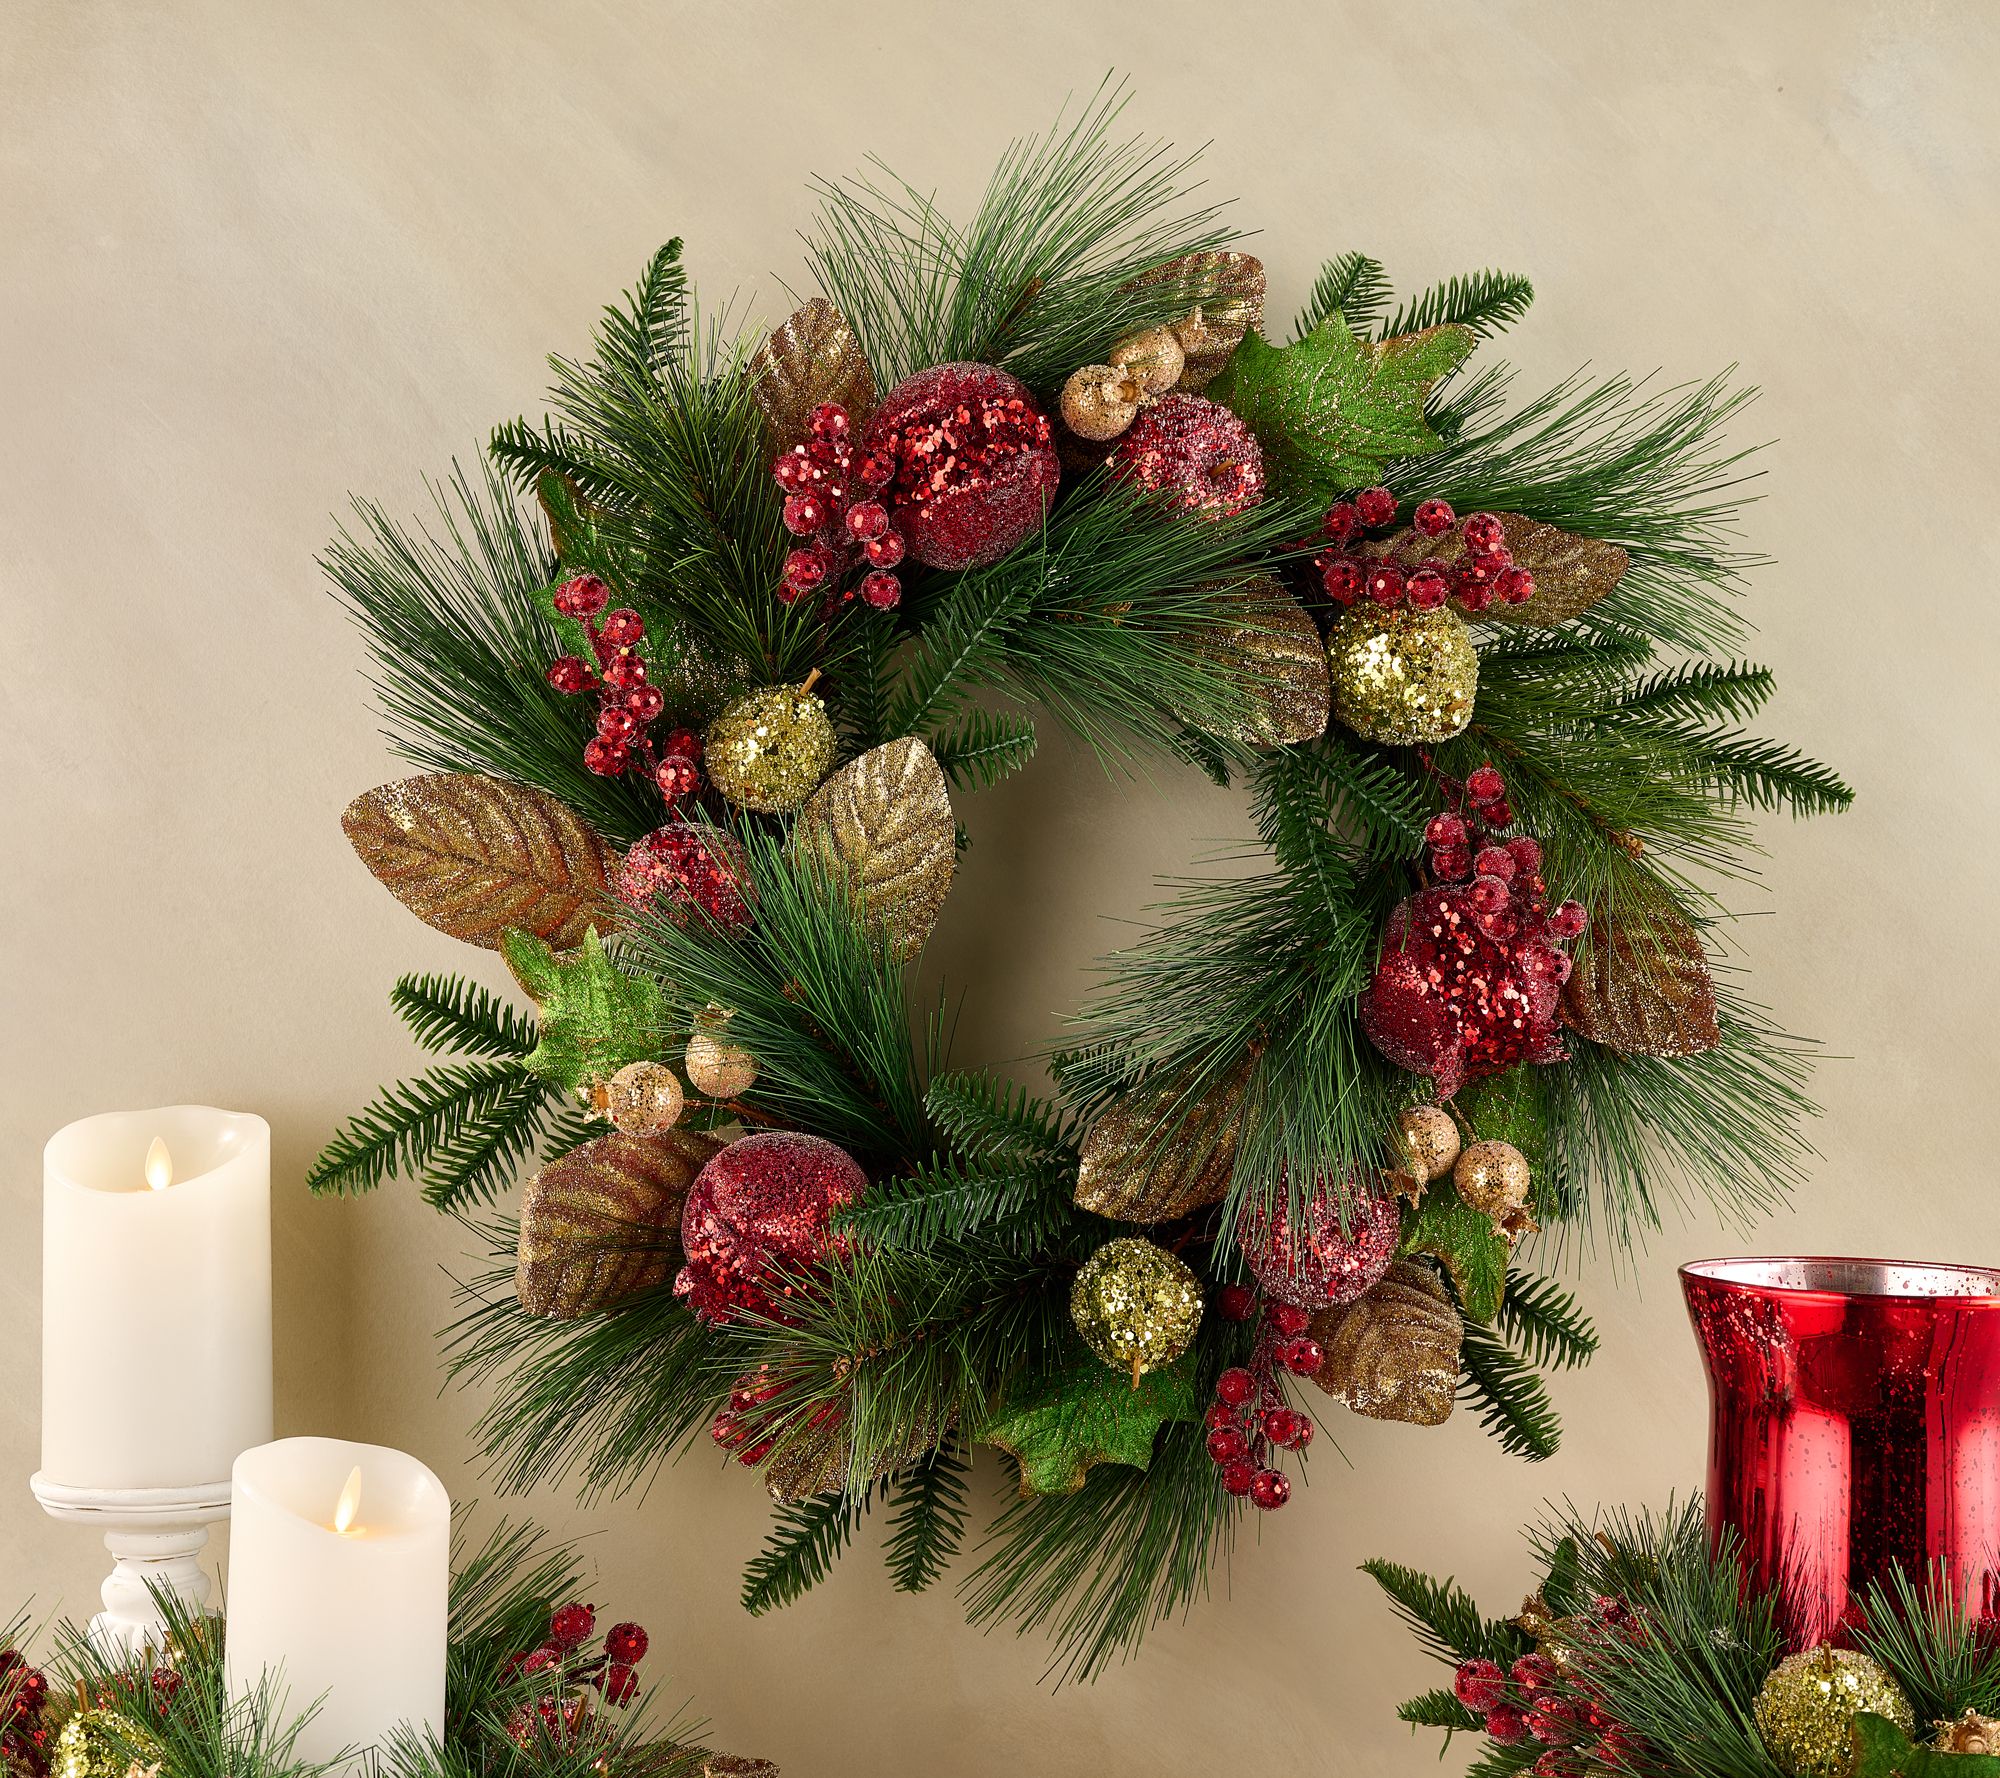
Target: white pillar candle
point(338, 1589)
point(156, 1297)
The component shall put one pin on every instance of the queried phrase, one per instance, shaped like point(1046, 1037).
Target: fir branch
point(1511, 1401)
point(1439, 1709)
point(1368, 795)
point(984, 746)
point(917, 1211)
point(570, 1126)
point(1762, 774)
point(406, 1126)
point(645, 336)
point(478, 1160)
point(927, 1514)
point(1720, 690)
point(1541, 1318)
point(1487, 302)
point(1499, 1761)
point(1444, 1616)
point(447, 1012)
point(805, 1541)
point(991, 1119)
point(1354, 287)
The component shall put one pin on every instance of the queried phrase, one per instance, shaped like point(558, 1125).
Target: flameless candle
point(339, 1571)
point(156, 1297)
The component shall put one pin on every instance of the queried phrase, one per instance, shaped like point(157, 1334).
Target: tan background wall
point(255, 255)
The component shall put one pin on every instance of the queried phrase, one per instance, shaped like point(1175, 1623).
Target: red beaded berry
point(1377, 507)
point(1485, 785)
point(1472, 588)
point(1449, 863)
point(626, 671)
point(1239, 1478)
point(570, 1625)
point(804, 569)
point(1288, 1318)
point(570, 676)
point(1484, 534)
point(1281, 1425)
point(1526, 852)
point(1434, 518)
point(1516, 586)
point(1479, 1685)
point(828, 420)
point(541, 1660)
point(1427, 587)
point(1227, 1443)
point(1343, 578)
point(1235, 1386)
point(1219, 1413)
point(622, 628)
point(1532, 1674)
point(1499, 813)
point(884, 551)
point(1343, 519)
point(584, 596)
point(1446, 830)
point(1385, 585)
point(619, 1684)
point(1271, 1489)
point(1507, 1725)
point(1236, 1302)
point(645, 702)
point(1568, 920)
point(606, 758)
point(683, 741)
point(616, 723)
point(1302, 1356)
point(804, 514)
point(881, 589)
point(677, 777)
point(867, 521)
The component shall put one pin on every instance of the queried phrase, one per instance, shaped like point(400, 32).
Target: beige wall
point(254, 255)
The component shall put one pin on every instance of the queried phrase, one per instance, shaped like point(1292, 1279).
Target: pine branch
point(1487, 302)
point(1511, 1401)
point(1543, 1321)
point(1916, 1627)
point(1354, 287)
point(406, 1126)
point(982, 747)
point(927, 1514)
point(804, 1543)
point(1446, 1620)
point(447, 1012)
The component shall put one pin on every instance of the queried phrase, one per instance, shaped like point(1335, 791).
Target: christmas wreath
point(690, 737)
point(533, 1690)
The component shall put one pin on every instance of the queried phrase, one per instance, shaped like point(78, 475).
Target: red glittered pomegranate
point(974, 463)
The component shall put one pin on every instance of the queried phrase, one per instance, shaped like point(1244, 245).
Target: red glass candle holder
point(1854, 1426)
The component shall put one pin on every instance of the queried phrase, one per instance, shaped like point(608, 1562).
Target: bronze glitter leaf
point(1640, 985)
point(811, 358)
point(884, 823)
point(1225, 298)
point(1571, 573)
point(816, 1459)
point(1155, 1155)
point(474, 856)
point(1276, 651)
point(1393, 1355)
point(605, 1220)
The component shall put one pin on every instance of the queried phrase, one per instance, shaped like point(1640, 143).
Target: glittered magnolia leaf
point(1393, 1354)
point(1275, 651)
point(1154, 1154)
point(594, 1017)
point(1640, 984)
point(1882, 1750)
point(1473, 1250)
point(1085, 1415)
point(1333, 410)
point(883, 823)
point(816, 1459)
point(474, 856)
point(1225, 296)
point(1571, 573)
point(605, 1221)
point(811, 358)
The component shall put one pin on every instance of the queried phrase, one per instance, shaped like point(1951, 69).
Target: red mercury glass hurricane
point(1854, 1426)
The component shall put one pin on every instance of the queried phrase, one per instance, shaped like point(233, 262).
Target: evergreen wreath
point(690, 736)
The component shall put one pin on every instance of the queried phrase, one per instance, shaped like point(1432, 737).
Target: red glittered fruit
point(1195, 452)
point(683, 867)
point(757, 1218)
point(1311, 1260)
point(974, 463)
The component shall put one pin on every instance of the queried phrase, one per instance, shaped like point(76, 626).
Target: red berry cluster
point(562, 1671)
point(627, 706)
point(1249, 1418)
point(830, 498)
point(1507, 890)
point(24, 1731)
point(1532, 1700)
point(1484, 573)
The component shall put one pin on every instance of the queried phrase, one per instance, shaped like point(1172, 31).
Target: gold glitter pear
point(1404, 678)
point(1100, 401)
point(1810, 1701)
point(1493, 1177)
point(1135, 1304)
point(644, 1098)
point(1153, 356)
point(1427, 1142)
point(1393, 1354)
point(716, 1067)
point(605, 1220)
point(883, 825)
point(769, 750)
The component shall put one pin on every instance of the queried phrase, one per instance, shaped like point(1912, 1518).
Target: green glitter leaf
point(1333, 410)
point(594, 1018)
point(1474, 1252)
point(1085, 1415)
point(1882, 1750)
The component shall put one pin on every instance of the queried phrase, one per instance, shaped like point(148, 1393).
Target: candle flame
point(159, 1165)
point(349, 1503)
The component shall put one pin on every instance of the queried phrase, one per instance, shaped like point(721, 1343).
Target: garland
point(690, 739)
point(1643, 1650)
point(531, 1691)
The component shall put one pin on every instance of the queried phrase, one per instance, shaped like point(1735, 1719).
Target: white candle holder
point(155, 1536)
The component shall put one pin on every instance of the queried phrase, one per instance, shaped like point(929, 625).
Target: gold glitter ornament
point(1153, 356)
point(1100, 401)
point(1427, 1142)
point(717, 1068)
point(644, 1098)
point(1136, 1305)
point(96, 1744)
point(1393, 1354)
point(1493, 1177)
point(1970, 1733)
point(769, 750)
point(1404, 678)
point(1810, 1701)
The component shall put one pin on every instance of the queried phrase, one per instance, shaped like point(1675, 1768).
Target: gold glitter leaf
point(1640, 984)
point(883, 823)
point(1571, 573)
point(1393, 1355)
point(1274, 650)
point(811, 358)
point(1224, 293)
point(474, 856)
point(1155, 1154)
point(604, 1221)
